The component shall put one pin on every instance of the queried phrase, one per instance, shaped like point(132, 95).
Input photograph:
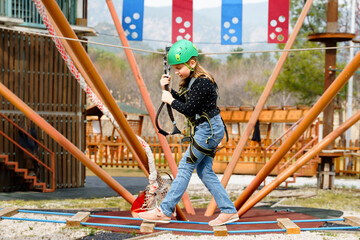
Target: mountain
point(157, 27)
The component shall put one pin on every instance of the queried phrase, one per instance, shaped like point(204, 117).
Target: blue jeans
point(204, 170)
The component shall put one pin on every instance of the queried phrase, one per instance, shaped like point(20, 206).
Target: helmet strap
point(188, 66)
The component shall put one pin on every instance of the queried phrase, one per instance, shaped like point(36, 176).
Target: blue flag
point(231, 22)
point(132, 19)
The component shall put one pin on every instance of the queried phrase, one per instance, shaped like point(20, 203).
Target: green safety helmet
point(181, 52)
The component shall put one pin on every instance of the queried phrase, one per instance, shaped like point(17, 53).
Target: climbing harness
point(192, 122)
point(169, 109)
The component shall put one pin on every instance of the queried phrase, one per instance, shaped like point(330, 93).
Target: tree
point(235, 56)
point(303, 72)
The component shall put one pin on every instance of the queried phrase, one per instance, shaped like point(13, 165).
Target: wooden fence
point(115, 154)
point(349, 164)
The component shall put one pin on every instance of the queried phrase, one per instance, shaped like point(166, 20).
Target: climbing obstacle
point(79, 219)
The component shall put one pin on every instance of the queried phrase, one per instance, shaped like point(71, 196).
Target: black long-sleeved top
point(201, 97)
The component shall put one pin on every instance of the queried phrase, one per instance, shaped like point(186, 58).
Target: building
point(32, 68)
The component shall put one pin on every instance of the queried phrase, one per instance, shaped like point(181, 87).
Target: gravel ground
point(10, 229)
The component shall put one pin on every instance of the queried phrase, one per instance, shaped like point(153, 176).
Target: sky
point(198, 4)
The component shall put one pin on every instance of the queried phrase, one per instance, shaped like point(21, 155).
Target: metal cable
point(158, 52)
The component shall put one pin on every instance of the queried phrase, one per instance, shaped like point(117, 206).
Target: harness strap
point(169, 109)
point(193, 143)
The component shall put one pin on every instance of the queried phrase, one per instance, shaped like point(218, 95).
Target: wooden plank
point(36, 80)
point(294, 115)
point(352, 220)
point(8, 212)
point(11, 67)
point(266, 115)
point(280, 116)
point(32, 70)
point(60, 82)
point(75, 220)
point(20, 68)
point(220, 231)
point(64, 88)
point(68, 156)
point(25, 68)
point(6, 64)
point(15, 70)
point(226, 115)
point(147, 226)
point(238, 116)
point(42, 62)
point(51, 76)
point(47, 90)
point(55, 78)
point(64, 156)
point(74, 161)
point(326, 176)
point(47, 140)
point(290, 226)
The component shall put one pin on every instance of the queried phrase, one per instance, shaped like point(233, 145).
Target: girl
point(197, 101)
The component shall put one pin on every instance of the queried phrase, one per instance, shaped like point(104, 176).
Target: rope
point(158, 52)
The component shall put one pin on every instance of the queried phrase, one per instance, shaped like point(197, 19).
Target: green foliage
point(303, 72)
point(235, 56)
point(107, 59)
point(303, 75)
point(92, 232)
point(254, 88)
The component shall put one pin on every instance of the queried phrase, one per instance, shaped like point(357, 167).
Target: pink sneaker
point(223, 219)
point(154, 215)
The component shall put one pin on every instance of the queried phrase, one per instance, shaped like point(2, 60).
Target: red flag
point(182, 20)
point(278, 21)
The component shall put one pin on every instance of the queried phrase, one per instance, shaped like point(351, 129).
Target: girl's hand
point(167, 97)
point(165, 80)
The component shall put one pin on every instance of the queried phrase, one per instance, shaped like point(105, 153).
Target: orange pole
point(299, 163)
point(128, 135)
point(323, 101)
point(147, 100)
point(60, 139)
point(255, 115)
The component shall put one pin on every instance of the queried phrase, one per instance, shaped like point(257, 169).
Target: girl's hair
point(199, 71)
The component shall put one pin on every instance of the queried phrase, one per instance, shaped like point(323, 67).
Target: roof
point(126, 109)
point(129, 109)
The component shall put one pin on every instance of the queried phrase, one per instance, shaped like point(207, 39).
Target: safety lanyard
point(169, 109)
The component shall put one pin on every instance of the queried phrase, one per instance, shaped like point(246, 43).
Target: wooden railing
point(115, 153)
point(48, 166)
point(349, 164)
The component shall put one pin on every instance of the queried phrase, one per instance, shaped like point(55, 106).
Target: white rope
point(158, 52)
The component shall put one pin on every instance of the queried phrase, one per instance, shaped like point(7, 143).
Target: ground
point(345, 197)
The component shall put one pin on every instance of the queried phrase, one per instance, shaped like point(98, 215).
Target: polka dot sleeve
point(201, 98)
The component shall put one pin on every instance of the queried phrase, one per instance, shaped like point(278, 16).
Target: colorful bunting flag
point(278, 21)
point(231, 22)
point(182, 20)
point(132, 19)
